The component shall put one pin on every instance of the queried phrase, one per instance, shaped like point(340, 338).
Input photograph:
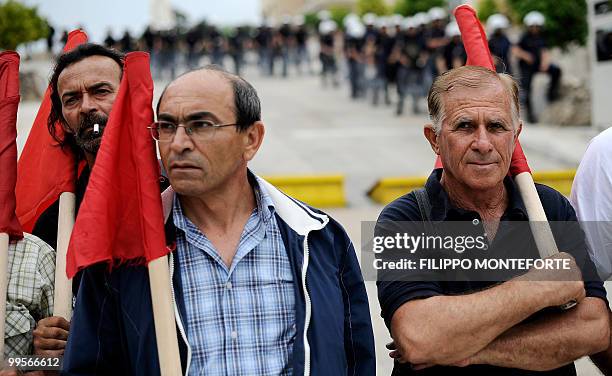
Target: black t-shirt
point(534, 44)
point(300, 36)
point(392, 294)
point(454, 50)
point(327, 40)
point(500, 46)
point(412, 45)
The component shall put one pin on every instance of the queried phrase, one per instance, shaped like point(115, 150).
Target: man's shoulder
point(31, 244)
point(556, 206)
point(602, 142)
point(404, 208)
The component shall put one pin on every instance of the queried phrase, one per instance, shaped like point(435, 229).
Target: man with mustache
point(468, 326)
point(262, 284)
point(84, 85)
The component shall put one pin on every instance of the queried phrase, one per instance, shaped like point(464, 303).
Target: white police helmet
point(369, 18)
point(534, 18)
point(409, 23)
point(452, 30)
point(421, 19)
point(327, 26)
point(436, 13)
point(355, 30)
point(396, 19)
point(497, 21)
point(350, 19)
point(382, 22)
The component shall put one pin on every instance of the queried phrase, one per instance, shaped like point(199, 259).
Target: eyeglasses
point(164, 131)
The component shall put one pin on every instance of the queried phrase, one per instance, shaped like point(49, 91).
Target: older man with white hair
point(480, 327)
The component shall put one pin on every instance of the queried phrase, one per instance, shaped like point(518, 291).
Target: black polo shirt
point(392, 294)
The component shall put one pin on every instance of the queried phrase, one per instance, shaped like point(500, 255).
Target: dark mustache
point(88, 121)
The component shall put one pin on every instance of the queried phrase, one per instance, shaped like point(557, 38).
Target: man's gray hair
point(471, 77)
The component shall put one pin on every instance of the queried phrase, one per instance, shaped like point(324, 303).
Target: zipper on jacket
point(308, 310)
point(177, 314)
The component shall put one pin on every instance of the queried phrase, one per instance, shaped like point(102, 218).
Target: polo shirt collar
point(442, 209)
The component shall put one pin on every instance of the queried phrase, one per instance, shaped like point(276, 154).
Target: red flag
point(474, 37)
point(44, 170)
point(120, 218)
point(9, 101)
point(477, 50)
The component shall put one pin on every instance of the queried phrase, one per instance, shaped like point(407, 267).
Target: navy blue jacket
point(112, 330)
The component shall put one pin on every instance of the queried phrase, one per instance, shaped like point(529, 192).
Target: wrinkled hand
point(560, 285)
point(397, 356)
point(50, 336)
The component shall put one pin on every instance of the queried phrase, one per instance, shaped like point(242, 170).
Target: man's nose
point(181, 141)
point(482, 142)
point(88, 104)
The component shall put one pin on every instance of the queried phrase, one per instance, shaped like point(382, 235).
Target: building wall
point(279, 8)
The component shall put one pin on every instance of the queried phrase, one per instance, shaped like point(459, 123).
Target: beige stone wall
point(279, 8)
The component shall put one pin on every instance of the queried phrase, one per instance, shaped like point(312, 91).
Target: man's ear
point(432, 137)
point(518, 131)
point(253, 137)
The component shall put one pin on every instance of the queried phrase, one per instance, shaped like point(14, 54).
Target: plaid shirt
point(241, 320)
point(31, 265)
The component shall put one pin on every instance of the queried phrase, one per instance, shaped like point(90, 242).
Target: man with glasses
point(263, 284)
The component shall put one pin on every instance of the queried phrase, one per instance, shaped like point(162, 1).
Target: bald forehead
point(197, 91)
point(199, 82)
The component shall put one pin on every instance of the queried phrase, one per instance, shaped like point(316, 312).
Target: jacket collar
point(297, 215)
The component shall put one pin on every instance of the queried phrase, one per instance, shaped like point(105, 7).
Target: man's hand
point(559, 285)
point(50, 336)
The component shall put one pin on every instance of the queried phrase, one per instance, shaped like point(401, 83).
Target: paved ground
point(315, 130)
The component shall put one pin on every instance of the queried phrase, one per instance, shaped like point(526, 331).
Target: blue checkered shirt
point(241, 320)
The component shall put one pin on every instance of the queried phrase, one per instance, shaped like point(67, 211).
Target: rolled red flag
point(120, 218)
point(473, 37)
point(9, 101)
point(44, 170)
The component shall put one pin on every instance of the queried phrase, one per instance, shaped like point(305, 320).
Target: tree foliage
point(338, 13)
point(378, 7)
point(486, 8)
point(411, 7)
point(20, 24)
point(566, 20)
point(311, 20)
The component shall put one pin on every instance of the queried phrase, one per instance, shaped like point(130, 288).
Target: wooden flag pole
point(62, 298)
point(540, 228)
point(163, 315)
point(4, 244)
point(538, 222)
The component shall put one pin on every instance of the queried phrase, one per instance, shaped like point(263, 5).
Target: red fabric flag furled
point(120, 218)
point(44, 170)
point(473, 37)
point(9, 101)
point(477, 50)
